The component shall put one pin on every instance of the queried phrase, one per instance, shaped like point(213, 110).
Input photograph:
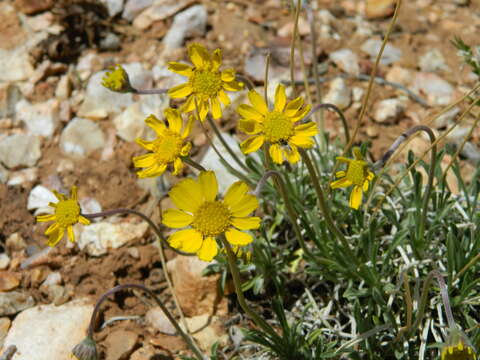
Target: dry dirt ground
point(422, 26)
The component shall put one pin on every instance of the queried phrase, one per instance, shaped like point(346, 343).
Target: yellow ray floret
point(206, 83)
point(459, 351)
point(67, 214)
point(167, 148)
point(278, 127)
point(203, 216)
point(357, 174)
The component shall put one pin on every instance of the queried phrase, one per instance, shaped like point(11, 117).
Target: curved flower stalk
point(167, 149)
point(206, 83)
point(357, 174)
point(67, 214)
point(208, 217)
point(276, 127)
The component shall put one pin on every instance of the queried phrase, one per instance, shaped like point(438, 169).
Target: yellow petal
point(83, 220)
point(245, 206)
point(252, 144)
point(158, 126)
point(301, 114)
point(258, 102)
point(189, 240)
point(176, 218)
point(153, 171)
point(228, 75)
point(188, 127)
point(179, 68)
point(339, 174)
point(209, 185)
point(356, 197)
point(249, 126)
point(189, 105)
point(302, 141)
point(233, 86)
point(43, 218)
point(246, 223)
point(199, 55)
point(144, 161)
point(70, 234)
point(224, 98)
point(186, 195)
point(202, 110)
point(208, 250)
point(147, 145)
point(216, 59)
point(55, 237)
point(292, 154)
point(308, 129)
point(236, 237)
point(344, 159)
point(235, 193)
point(177, 166)
point(186, 149)
point(180, 91)
point(249, 112)
point(293, 107)
point(276, 153)
point(370, 176)
point(280, 98)
point(344, 182)
point(216, 108)
point(174, 120)
point(59, 196)
point(365, 186)
point(52, 228)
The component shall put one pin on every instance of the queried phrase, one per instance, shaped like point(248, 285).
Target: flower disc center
point(67, 212)
point(207, 83)
point(357, 172)
point(167, 147)
point(212, 218)
point(277, 127)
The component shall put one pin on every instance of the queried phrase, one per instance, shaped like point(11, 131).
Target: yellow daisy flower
point(458, 347)
point(357, 174)
point(117, 80)
point(276, 127)
point(206, 83)
point(167, 148)
point(207, 216)
point(67, 213)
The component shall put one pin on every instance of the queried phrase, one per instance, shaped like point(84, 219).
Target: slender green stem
point(188, 339)
point(149, 91)
point(324, 208)
point(232, 264)
point(292, 49)
point(225, 144)
point(265, 83)
point(193, 163)
point(292, 214)
point(155, 228)
point(466, 267)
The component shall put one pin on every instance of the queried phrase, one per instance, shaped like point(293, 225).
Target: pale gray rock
point(389, 110)
point(471, 152)
point(211, 161)
point(134, 7)
point(10, 95)
point(23, 177)
point(339, 94)
point(15, 65)
point(54, 278)
point(49, 332)
point(432, 61)
point(100, 102)
point(13, 302)
point(39, 198)
point(110, 42)
point(20, 150)
point(130, 123)
point(188, 23)
point(96, 239)
point(390, 54)
point(156, 318)
point(41, 118)
point(89, 206)
point(438, 91)
point(159, 10)
point(114, 7)
point(4, 326)
point(140, 78)
point(3, 174)
point(447, 118)
point(346, 60)
point(120, 344)
point(4, 261)
point(81, 137)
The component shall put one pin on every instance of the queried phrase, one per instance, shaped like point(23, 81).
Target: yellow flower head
point(206, 83)
point(117, 80)
point(458, 347)
point(357, 174)
point(207, 216)
point(241, 252)
point(276, 127)
point(67, 213)
point(167, 148)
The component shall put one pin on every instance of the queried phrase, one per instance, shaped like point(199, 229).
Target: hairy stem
point(193, 163)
